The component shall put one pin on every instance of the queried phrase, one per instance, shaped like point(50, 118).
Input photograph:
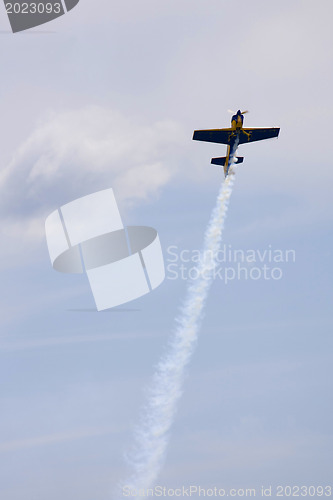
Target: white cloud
point(85, 149)
point(77, 152)
point(17, 344)
point(51, 439)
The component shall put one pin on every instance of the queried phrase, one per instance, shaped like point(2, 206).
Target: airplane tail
point(221, 161)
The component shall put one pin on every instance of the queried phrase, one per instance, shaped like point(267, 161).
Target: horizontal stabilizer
point(218, 161)
point(221, 161)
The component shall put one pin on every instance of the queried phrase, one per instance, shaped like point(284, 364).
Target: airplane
point(234, 136)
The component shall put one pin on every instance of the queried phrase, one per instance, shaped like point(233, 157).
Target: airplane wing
point(221, 135)
point(228, 135)
point(257, 134)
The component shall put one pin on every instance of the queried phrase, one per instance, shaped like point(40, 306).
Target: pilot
point(240, 117)
point(237, 119)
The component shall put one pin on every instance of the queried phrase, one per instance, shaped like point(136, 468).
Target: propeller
point(234, 112)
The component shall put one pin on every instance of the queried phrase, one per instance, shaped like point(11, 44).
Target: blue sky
point(109, 96)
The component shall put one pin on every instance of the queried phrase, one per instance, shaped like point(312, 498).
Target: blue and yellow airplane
point(233, 137)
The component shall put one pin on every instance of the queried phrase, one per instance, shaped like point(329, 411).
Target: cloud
point(298, 53)
point(86, 149)
point(74, 153)
point(17, 344)
point(51, 439)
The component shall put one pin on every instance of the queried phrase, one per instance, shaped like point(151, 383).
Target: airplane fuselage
point(236, 125)
point(231, 150)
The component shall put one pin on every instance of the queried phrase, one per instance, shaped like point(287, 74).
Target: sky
point(108, 96)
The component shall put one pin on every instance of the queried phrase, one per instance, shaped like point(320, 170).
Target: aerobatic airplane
point(233, 137)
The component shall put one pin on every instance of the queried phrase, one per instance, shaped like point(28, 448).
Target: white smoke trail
point(152, 435)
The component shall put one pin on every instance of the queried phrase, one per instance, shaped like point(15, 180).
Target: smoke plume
point(152, 436)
